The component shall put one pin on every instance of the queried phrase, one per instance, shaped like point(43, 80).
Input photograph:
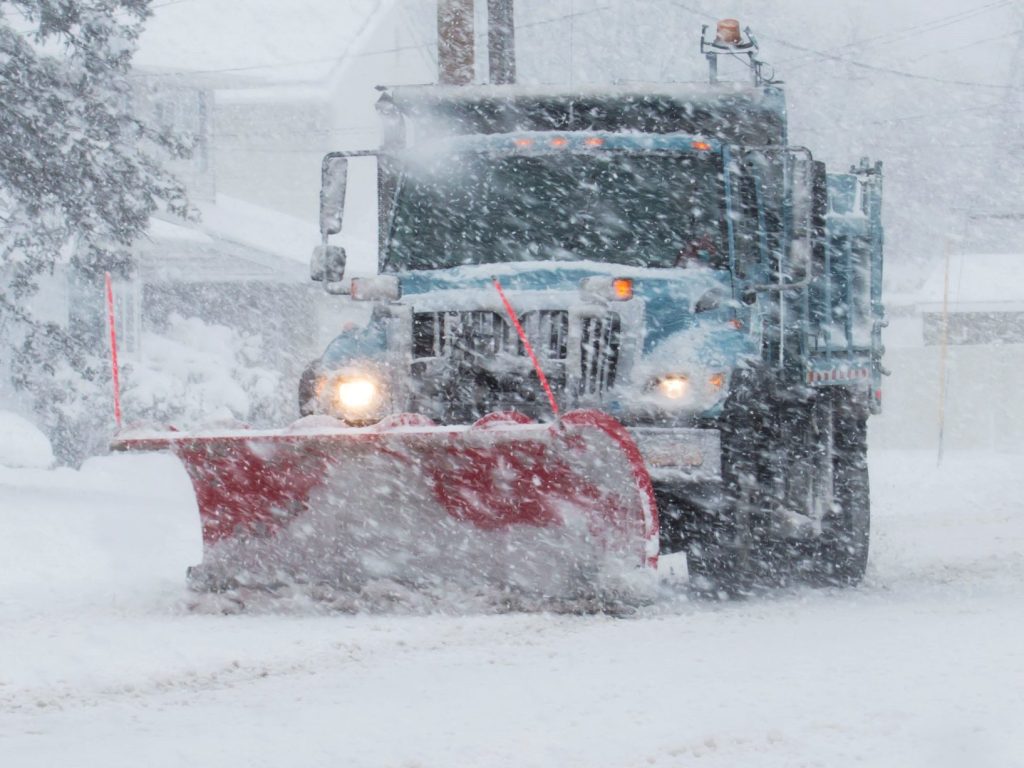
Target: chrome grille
point(599, 353)
point(488, 334)
point(438, 334)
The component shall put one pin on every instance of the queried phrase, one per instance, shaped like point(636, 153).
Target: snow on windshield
point(641, 210)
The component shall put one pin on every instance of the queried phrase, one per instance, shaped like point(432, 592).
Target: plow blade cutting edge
point(561, 510)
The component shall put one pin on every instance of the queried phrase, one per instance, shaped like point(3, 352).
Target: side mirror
point(327, 264)
point(333, 181)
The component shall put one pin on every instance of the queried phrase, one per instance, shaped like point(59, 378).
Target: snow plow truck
point(606, 323)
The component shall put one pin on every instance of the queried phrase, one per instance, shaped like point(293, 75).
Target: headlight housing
point(689, 391)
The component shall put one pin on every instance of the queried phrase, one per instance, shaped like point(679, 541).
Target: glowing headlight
point(686, 390)
point(358, 395)
point(674, 387)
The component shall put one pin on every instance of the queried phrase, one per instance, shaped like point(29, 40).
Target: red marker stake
point(113, 350)
point(529, 348)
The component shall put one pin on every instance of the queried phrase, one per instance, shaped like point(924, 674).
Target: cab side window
point(747, 222)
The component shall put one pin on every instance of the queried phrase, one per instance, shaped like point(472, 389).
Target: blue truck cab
point(672, 261)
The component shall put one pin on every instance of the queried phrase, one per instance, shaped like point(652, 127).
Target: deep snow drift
point(22, 444)
point(104, 665)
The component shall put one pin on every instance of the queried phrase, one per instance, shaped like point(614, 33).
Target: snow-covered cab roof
point(744, 115)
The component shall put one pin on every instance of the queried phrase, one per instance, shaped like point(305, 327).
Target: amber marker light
point(594, 141)
point(559, 141)
point(717, 380)
point(701, 146)
point(727, 32)
point(602, 288)
point(524, 142)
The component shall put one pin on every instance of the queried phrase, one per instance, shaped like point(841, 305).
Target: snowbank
point(121, 526)
point(919, 667)
point(22, 444)
point(196, 374)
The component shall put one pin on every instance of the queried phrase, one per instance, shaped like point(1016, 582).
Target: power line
point(978, 108)
point(281, 64)
point(887, 70)
point(361, 54)
point(928, 26)
point(812, 52)
point(858, 64)
point(565, 17)
point(971, 44)
point(169, 2)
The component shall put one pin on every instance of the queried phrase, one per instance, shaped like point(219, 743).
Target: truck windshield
point(656, 210)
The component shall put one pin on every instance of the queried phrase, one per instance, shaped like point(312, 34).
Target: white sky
point(924, 87)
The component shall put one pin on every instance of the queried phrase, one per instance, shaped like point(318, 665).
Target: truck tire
point(725, 547)
point(826, 441)
point(841, 553)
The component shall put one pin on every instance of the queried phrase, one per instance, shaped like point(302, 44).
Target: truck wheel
point(725, 546)
point(841, 554)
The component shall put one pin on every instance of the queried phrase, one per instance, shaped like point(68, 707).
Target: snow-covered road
point(102, 665)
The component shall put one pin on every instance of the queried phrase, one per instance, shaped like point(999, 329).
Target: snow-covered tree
point(80, 175)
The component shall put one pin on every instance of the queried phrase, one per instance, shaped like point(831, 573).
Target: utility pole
point(455, 61)
point(501, 42)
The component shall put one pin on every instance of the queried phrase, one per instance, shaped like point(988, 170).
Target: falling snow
point(355, 560)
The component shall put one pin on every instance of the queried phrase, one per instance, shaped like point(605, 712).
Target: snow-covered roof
point(228, 219)
point(260, 228)
point(162, 229)
point(235, 231)
point(263, 40)
point(233, 240)
point(978, 282)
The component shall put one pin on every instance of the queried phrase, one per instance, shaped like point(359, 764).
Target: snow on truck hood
point(662, 309)
point(683, 285)
point(666, 296)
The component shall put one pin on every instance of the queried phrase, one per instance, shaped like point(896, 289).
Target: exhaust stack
point(456, 42)
point(455, 61)
point(501, 42)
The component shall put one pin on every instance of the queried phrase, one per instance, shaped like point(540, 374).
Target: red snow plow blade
point(552, 508)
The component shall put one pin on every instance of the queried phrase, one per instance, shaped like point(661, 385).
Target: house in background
point(265, 89)
point(282, 84)
point(956, 349)
point(978, 300)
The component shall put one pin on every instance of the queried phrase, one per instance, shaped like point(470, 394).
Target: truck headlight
point(674, 387)
point(690, 391)
point(357, 397)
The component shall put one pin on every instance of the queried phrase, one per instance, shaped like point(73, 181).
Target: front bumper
point(680, 454)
